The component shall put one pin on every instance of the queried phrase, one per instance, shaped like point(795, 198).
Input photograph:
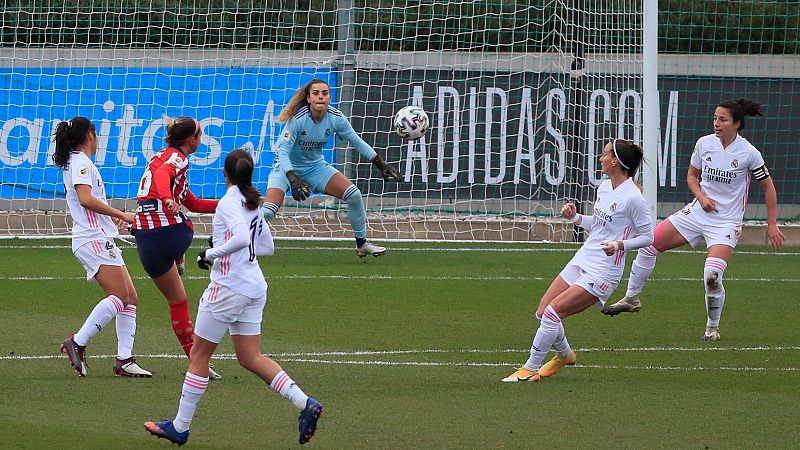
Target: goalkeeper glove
point(203, 262)
point(300, 191)
point(387, 171)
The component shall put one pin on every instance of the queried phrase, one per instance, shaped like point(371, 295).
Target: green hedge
point(710, 26)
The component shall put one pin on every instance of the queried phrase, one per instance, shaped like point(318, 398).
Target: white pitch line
point(579, 366)
point(532, 249)
point(432, 351)
point(461, 364)
point(413, 277)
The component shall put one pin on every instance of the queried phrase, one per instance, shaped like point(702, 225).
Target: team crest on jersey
point(327, 132)
point(735, 163)
point(83, 170)
point(613, 206)
point(112, 255)
point(175, 159)
point(287, 135)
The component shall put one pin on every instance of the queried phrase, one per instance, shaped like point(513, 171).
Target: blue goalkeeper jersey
point(302, 139)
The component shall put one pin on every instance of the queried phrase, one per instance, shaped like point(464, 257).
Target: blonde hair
point(298, 100)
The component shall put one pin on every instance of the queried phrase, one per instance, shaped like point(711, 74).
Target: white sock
point(713, 271)
point(285, 386)
point(546, 335)
point(193, 389)
point(561, 346)
point(105, 310)
point(714, 307)
point(641, 270)
point(126, 331)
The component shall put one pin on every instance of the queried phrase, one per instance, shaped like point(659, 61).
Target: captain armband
point(761, 173)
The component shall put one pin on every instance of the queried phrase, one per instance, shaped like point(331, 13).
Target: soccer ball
point(411, 122)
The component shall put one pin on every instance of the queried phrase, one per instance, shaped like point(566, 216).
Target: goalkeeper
point(300, 167)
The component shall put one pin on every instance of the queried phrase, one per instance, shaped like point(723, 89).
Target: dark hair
point(239, 169)
point(298, 100)
point(628, 154)
point(69, 135)
point(741, 108)
point(181, 129)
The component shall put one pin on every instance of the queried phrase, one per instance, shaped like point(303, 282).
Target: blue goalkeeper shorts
point(316, 176)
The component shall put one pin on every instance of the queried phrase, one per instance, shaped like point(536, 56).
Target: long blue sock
point(269, 210)
point(356, 211)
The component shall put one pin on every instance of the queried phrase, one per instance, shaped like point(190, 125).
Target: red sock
point(182, 324)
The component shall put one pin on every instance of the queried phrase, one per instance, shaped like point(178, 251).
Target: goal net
point(521, 97)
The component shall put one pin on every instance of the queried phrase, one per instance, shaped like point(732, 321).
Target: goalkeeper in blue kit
point(301, 169)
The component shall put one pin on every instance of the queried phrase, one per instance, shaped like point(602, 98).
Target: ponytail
point(239, 168)
point(181, 129)
point(68, 136)
point(629, 155)
point(741, 108)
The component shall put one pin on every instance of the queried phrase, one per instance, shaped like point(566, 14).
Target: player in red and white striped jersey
point(93, 233)
point(163, 233)
point(720, 171)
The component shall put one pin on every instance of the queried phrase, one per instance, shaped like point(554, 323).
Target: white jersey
point(618, 214)
point(725, 177)
point(239, 270)
point(87, 225)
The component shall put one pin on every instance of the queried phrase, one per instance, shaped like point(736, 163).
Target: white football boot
point(627, 304)
point(711, 334)
point(128, 367)
point(212, 374)
point(370, 249)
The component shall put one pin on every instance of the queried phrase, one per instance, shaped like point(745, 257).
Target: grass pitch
point(407, 350)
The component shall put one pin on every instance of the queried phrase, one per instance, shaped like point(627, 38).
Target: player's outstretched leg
point(641, 269)
point(164, 429)
point(307, 422)
point(626, 304)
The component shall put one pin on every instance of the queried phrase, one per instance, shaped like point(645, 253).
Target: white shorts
point(591, 283)
point(225, 310)
point(94, 254)
point(693, 230)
